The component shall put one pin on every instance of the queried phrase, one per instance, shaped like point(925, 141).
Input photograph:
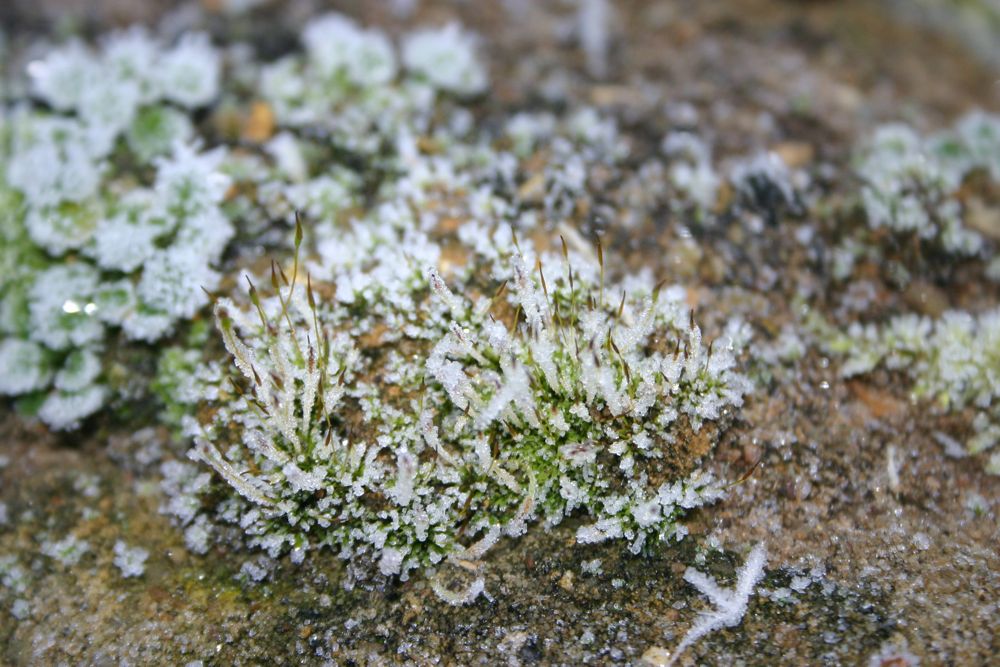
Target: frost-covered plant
point(130, 560)
point(353, 85)
point(910, 184)
point(445, 57)
point(954, 362)
point(90, 243)
point(549, 399)
point(691, 172)
point(129, 82)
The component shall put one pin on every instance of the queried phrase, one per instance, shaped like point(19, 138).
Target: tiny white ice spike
point(731, 605)
point(475, 589)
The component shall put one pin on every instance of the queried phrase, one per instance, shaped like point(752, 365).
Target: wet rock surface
point(880, 543)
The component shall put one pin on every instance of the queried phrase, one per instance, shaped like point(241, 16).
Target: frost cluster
point(911, 184)
point(691, 171)
point(67, 551)
point(89, 245)
point(130, 560)
point(15, 581)
point(353, 84)
point(446, 58)
point(558, 395)
point(954, 362)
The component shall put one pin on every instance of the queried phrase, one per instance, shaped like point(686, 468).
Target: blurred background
point(831, 69)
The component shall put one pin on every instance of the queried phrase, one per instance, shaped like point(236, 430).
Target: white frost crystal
point(337, 45)
point(189, 72)
point(130, 560)
point(172, 283)
point(61, 77)
point(80, 368)
point(446, 57)
point(730, 605)
point(23, 367)
point(67, 551)
point(54, 160)
point(63, 410)
point(122, 243)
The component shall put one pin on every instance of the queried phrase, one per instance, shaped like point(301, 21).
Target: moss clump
point(547, 399)
point(953, 361)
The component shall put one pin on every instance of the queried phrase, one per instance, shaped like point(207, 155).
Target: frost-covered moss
point(954, 362)
point(910, 184)
point(92, 244)
point(550, 398)
point(352, 85)
point(614, 433)
point(433, 390)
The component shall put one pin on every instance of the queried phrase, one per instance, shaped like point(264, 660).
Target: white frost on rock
point(731, 605)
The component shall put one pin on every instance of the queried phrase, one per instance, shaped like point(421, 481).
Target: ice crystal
point(730, 605)
point(130, 560)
